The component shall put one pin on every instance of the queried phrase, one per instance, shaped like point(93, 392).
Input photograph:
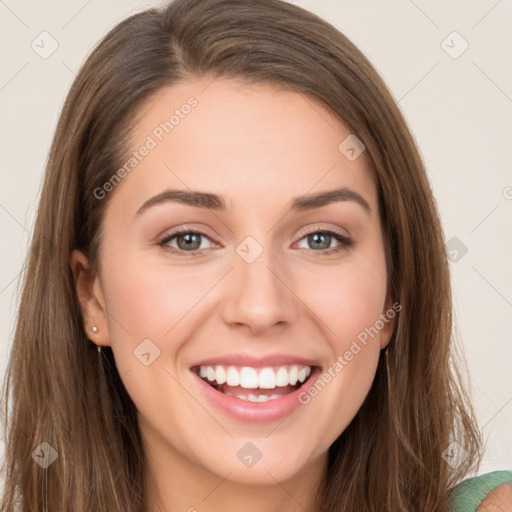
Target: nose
point(259, 295)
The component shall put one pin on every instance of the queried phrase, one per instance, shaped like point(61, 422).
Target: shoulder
point(498, 500)
point(491, 492)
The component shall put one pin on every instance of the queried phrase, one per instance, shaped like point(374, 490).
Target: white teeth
point(260, 398)
point(248, 378)
point(282, 378)
point(267, 378)
point(210, 373)
point(233, 377)
point(253, 378)
point(220, 374)
point(254, 398)
point(304, 373)
point(293, 375)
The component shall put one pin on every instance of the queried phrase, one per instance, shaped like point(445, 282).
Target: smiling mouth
point(255, 384)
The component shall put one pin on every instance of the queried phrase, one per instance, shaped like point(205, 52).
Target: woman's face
point(250, 286)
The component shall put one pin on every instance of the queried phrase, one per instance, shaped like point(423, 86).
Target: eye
point(189, 241)
point(186, 239)
point(322, 239)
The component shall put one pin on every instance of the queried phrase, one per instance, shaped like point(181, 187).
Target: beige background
point(458, 105)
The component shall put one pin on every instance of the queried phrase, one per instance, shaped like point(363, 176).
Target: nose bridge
point(258, 295)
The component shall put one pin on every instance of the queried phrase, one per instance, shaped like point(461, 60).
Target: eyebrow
point(215, 202)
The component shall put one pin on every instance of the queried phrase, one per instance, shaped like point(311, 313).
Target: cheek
point(350, 331)
point(155, 302)
point(348, 299)
point(148, 300)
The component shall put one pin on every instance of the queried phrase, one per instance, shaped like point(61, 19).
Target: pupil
point(188, 237)
point(315, 236)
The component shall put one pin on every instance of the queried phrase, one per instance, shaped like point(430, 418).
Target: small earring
point(99, 349)
point(94, 329)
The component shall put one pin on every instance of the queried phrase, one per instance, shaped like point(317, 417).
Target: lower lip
point(257, 412)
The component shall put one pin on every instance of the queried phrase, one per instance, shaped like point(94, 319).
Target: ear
point(390, 313)
point(90, 297)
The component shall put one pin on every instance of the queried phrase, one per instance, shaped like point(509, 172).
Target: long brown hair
point(59, 390)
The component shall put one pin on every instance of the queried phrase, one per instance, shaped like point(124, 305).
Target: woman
point(260, 371)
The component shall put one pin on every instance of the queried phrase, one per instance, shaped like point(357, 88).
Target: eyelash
point(345, 242)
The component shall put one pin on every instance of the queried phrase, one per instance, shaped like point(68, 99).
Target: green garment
point(469, 494)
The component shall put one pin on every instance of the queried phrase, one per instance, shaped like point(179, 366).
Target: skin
point(258, 147)
point(499, 500)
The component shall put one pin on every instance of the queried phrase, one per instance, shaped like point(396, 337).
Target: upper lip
point(241, 359)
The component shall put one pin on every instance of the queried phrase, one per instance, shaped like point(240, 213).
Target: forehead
point(252, 144)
